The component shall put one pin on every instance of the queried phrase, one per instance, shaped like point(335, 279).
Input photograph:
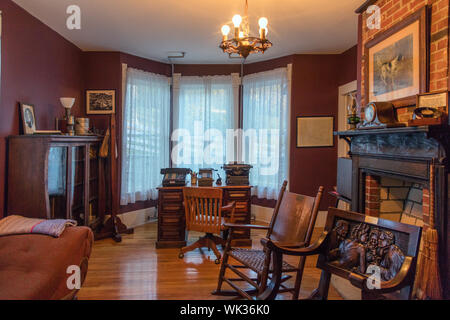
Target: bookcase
point(57, 177)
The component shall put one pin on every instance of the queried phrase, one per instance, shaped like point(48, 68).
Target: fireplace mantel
point(405, 153)
point(428, 143)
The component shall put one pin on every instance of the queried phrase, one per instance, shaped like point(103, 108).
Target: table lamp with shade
point(68, 103)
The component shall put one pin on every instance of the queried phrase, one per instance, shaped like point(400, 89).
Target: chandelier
point(242, 44)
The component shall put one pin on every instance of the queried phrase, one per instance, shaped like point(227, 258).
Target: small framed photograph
point(28, 118)
point(315, 132)
point(100, 101)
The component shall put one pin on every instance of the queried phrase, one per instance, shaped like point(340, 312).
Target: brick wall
point(392, 12)
point(372, 196)
point(381, 190)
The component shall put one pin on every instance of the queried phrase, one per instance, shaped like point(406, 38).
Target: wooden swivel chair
point(292, 224)
point(205, 213)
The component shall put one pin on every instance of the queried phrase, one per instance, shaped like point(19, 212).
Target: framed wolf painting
point(396, 61)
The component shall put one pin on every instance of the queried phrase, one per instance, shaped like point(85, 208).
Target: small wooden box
point(427, 122)
point(436, 100)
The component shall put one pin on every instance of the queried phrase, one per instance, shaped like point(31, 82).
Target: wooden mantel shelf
point(398, 130)
point(361, 132)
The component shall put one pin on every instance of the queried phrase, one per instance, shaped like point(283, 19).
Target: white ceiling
point(152, 28)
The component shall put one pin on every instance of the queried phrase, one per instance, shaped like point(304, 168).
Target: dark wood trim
point(70, 182)
point(448, 55)
point(421, 15)
point(359, 60)
point(87, 185)
point(364, 6)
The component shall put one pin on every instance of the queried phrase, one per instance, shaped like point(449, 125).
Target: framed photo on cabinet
point(28, 118)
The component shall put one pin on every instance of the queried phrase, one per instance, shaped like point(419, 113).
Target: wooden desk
point(172, 220)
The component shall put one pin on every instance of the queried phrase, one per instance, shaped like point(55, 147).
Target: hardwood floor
point(135, 270)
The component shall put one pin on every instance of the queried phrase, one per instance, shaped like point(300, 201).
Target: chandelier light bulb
point(263, 22)
point(225, 30)
point(237, 19)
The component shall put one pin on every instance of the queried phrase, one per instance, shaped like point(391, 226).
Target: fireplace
point(391, 179)
point(396, 200)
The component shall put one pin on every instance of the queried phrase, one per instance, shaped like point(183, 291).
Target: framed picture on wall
point(315, 132)
point(100, 101)
point(396, 61)
point(28, 118)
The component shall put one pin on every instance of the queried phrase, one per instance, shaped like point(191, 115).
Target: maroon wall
point(39, 72)
point(146, 64)
point(348, 62)
point(314, 93)
point(38, 67)
point(102, 71)
point(268, 64)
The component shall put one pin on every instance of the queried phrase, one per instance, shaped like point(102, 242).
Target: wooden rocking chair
point(292, 224)
point(204, 213)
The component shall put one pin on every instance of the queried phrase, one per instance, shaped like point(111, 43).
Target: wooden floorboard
point(135, 270)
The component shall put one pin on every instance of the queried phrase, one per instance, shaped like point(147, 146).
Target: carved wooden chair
point(378, 256)
point(292, 224)
point(205, 213)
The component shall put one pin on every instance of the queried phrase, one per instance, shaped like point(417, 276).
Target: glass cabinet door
point(57, 182)
point(94, 185)
point(78, 190)
point(74, 184)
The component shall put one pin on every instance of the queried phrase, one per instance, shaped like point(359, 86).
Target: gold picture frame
point(396, 61)
point(100, 101)
point(315, 132)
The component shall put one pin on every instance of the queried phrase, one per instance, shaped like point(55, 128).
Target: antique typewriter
point(205, 177)
point(174, 177)
point(237, 174)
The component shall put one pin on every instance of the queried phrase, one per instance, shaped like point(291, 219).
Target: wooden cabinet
point(172, 222)
point(55, 177)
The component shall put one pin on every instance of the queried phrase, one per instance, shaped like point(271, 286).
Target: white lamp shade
point(67, 102)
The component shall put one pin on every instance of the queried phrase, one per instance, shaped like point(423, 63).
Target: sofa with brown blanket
point(34, 266)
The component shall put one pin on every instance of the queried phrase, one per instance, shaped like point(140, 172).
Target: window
point(145, 136)
point(203, 112)
point(266, 127)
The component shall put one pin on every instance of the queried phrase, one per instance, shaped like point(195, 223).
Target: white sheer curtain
point(266, 126)
point(146, 134)
point(204, 110)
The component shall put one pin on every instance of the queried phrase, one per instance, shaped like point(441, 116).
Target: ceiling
point(152, 28)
